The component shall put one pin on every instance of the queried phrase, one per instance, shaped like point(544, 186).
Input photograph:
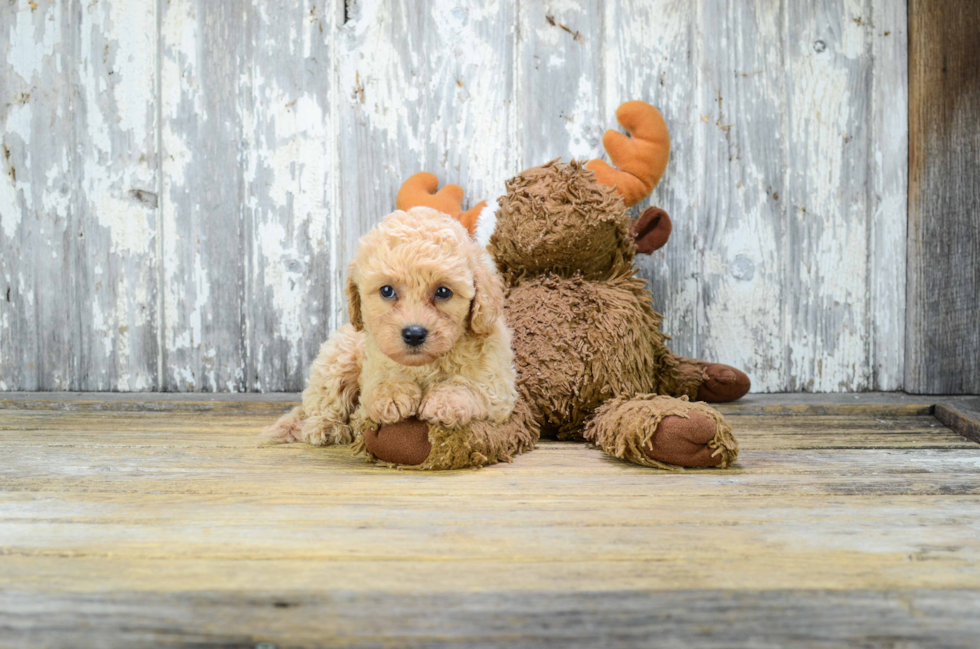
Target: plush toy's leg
point(414, 444)
point(712, 382)
point(663, 432)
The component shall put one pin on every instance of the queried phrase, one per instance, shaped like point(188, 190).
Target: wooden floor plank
point(754, 432)
point(569, 469)
point(623, 618)
point(66, 572)
point(480, 529)
point(768, 404)
point(24, 419)
point(176, 526)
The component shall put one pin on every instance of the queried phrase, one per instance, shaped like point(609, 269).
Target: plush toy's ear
point(651, 230)
point(640, 158)
point(354, 300)
point(420, 190)
point(488, 301)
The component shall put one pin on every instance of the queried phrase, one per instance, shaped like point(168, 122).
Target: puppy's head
point(419, 283)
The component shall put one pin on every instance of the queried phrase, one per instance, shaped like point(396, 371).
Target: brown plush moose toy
point(591, 360)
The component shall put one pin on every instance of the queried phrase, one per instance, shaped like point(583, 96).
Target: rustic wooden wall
point(184, 180)
point(943, 346)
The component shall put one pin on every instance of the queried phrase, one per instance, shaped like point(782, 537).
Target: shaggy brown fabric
point(481, 443)
point(578, 343)
point(557, 219)
point(629, 428)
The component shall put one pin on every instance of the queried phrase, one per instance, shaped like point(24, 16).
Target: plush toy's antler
point(640, 158)
point(420, 189)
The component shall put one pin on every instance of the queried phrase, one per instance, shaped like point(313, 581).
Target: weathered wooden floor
point(129, 523)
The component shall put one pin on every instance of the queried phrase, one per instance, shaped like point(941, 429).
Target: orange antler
point(420, 189)
point(640, 158)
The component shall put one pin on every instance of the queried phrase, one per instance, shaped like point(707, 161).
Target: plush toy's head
point(558, 218)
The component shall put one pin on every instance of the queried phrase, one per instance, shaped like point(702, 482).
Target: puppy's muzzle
point(414, 335)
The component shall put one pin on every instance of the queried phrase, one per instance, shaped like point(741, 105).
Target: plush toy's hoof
point(406, 442)
point(723, 383)
point(663, 432)
point(684, 441)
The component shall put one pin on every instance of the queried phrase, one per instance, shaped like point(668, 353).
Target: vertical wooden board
point(381, 96)
point(827, 325)
point(890, 159)
point(38, 328)
point(290, 170)
point(561, 109)
point(470, 104)
point(742, 123)
point(650, 55)
point(203, 67)
point(115, 167)
point(418, 90)
point(943, 312)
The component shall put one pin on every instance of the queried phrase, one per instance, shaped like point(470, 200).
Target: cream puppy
point(426, 338)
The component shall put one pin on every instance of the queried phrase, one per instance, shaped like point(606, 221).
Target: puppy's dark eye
point(443, 293)
point(387, 292)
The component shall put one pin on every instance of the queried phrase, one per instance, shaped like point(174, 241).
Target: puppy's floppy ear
point(488, 302)
point(354, 300)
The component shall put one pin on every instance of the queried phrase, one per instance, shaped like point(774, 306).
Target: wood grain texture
point(291, 171)
point(179, 208)
point(828, 86)
point(964, 420)
point(626, 618)
point(115, 165)
point(561, 112)
point(79, 225)
point(743, 242)
point(652, 52)
point(39, 331)
point(943, 336)
point(204, 70)
point(889, 404)
point(121, 528)
point(889, 145)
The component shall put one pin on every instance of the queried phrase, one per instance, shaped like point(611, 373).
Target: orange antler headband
point(420, 189)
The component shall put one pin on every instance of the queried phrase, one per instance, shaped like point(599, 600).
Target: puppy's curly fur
point(368, 372)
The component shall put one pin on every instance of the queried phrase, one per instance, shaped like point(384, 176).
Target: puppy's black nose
point(414, 335)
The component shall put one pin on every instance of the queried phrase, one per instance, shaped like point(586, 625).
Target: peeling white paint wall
point(183, 183)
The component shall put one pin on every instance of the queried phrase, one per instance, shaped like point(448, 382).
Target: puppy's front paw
point(392, 403)
point(450, 407)
point(320, 431)
point(286, 430)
